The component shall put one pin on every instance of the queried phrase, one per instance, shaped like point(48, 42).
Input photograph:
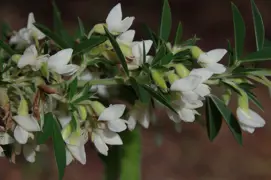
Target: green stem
point(113, 81)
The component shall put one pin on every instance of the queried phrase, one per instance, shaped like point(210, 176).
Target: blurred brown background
point(182, 156)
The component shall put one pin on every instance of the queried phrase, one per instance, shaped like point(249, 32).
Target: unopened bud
point(226, 97)
point(159, 80)
point(181, 70)
point(172, 77)
point(243, 102)
point(99, 28)
point(16, 57)
point(97, 107)
point(23, 108)
point(82, 112)
point(38, 81)
point(126, 50)
point(196, 52)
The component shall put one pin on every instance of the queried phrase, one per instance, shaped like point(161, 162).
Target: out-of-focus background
point(181, 156)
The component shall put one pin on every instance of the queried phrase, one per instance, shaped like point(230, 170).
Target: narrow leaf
point(254, 99)
point(239, 31)
point(267, 43)
point(72, 89)
point(152, 35)
point(165, 26)
point(47, 130)
point(7, 48)
point(88, 44)
point(158, 97)
point(81, 27)
point(59, 149)
point(258, 26)
point(229, 118)
point(166, 59)
point(262, 55)
point(214, 119)
point(161, 53)
point(179, 34)
point(118, 51)
point(141, 92)
point(57, 39)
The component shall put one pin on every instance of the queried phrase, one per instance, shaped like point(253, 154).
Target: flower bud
point(66, 131)
point(181, 70)
point(82, 112)
point(159, 80)
point(172, 77)
point(97, 107)
point(196, 52)
point(99, 28)
point(16, 57)
point(23, 108)
point(126, 50)
point(38, 81)
point(226, 97)
point(243, 102)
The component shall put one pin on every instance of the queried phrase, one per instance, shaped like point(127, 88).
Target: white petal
point(86, 76)
point(20, 135)
point(173, 116)
point(117, 125)
point(131, 124)
point(30, 20)
point(64, 120)
point(102, 91)
point(114, 18)
point(1, 149)
point(100, 144)
point(144, 119)
point(29, 57)
point(202, 90)
point(216, 54)
point(250, 118)
point(29, 123)
point(193, 104)
point(187, 115)
point(204, 73)
point(69, 157)
point(67, 70)
point(188, 83)
point(37, 33)
point(113, 112)
point(29, 153)
point(17, 148)
point(60, 59)
point(247, 128)
point(126, 23)
point(111, 138)
point(5, 138)
point(78, 152)
point(216, 68)
point(126, 37)
point(190, 96)
point(132, 66)
point(149, 59)
point(137, 48)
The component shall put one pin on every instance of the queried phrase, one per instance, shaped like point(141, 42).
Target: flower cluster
point(59, 87)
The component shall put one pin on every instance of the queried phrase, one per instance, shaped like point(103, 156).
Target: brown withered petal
point(47, 89)
point(36, 105)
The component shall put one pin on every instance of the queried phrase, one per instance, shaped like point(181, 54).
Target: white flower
point(102, 137)
point(126, 38)
point(114, 21)
point(249, 120)
point(101, 90)
point(5, 139)
point(75, 141)
point(140, 113)
point(30, 57)
point(2, 154)
point(111, 116)
point(29, 152)
point(138, 54)
point(210, 60)
point(59, 63)
point(25, 35)
point(25, 124)
point(185, 109)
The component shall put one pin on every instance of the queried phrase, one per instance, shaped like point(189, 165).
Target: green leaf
point(229, 118)
point(190, 42)
point(166, 59)
point(155, 39)
point(59, 149)
point(81, 27)
point(253, 71)
point(141, 92)
point(231, 55)
point(239, 32)
point(131, 155)
point(267, 43)
point(262, 55)
point(161, 53)
point(89, 44)
point(258, 26)
point(57, 39)
point(72, 88)
point(214, 119)
point(58, 25)
point(179, 34)
point(165, 26)
point(5, 30)
point(159, 97)
point(118, 51)
point(254, 99)
point(47, 130)
point(144, 53)
point(7, 48)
